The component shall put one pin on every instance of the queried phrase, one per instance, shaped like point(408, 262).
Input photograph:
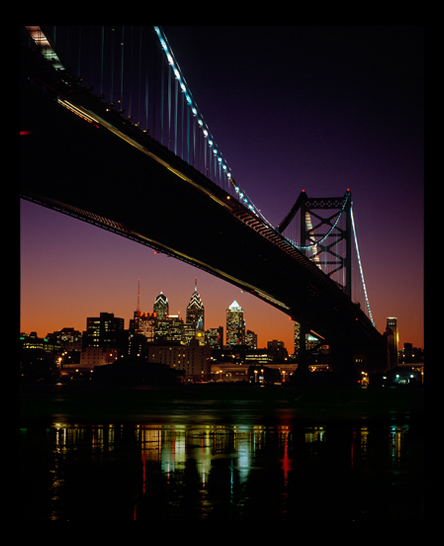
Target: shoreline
point(43, 403)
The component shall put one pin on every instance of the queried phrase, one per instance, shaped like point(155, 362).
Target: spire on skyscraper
point(195, 309)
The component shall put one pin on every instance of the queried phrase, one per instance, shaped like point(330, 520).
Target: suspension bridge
point(111, 134)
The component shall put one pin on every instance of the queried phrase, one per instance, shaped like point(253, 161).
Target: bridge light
point(194, 111)
point(210, 142)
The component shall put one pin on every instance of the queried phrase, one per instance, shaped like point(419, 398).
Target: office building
point(195, 317)
point(392, 336)
point(144, 324)
point(251, 339)
point(170, 329)
point(161, 306)
point(235, 325)
point(214, 337)
point(103, 331)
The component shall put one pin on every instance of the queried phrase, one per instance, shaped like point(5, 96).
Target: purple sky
point(316, 108)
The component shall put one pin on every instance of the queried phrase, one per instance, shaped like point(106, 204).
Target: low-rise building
point(193, 359)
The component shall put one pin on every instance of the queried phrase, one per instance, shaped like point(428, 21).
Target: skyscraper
point(195, 309)
point(161, 306)
point(392, 341)
point(235, 325)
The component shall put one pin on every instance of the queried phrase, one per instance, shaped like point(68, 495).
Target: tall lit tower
point(195, 315)
point(161, 306)
point(392, 342)
point(235, 325)
point(195, 309)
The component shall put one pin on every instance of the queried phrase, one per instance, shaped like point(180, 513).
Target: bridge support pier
point(300, 375)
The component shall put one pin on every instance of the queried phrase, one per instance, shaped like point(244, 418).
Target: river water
point(187, 465)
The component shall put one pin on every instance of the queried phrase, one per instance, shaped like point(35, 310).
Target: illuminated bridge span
point(125, 141)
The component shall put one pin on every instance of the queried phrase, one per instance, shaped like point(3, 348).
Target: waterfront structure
point(235, 325)
point(194, 359)
point(95, 356)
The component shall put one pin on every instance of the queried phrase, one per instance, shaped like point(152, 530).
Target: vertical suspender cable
point(102, 47)
point(182, 109)
point(188, 134)
point(91, 57)
point(112, 65)
point(122, 58)
point(169, 109)
point(147, 96)
point(176, 85)
point(130, 79)
point(161, 100)
point(139, 86)
point(360, 266)
point(80, 48)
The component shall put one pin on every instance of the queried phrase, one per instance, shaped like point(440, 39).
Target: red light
point(24, 133)
point(155, 252)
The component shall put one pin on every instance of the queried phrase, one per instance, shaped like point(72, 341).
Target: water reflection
point(167, 471)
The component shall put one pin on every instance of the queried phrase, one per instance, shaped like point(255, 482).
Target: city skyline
point(315, 108)
point(162, 301)
point(161, 304)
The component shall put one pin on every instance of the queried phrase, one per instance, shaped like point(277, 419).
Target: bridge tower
point(326, 241)
point(323, 239)
point(329, 234)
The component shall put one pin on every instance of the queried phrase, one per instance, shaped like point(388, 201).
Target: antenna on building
point(138, 298)
point(195, 284)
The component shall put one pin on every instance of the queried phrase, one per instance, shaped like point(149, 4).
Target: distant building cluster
point(155, 337)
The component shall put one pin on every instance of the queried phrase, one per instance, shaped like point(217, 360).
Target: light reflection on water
point(179, 471)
